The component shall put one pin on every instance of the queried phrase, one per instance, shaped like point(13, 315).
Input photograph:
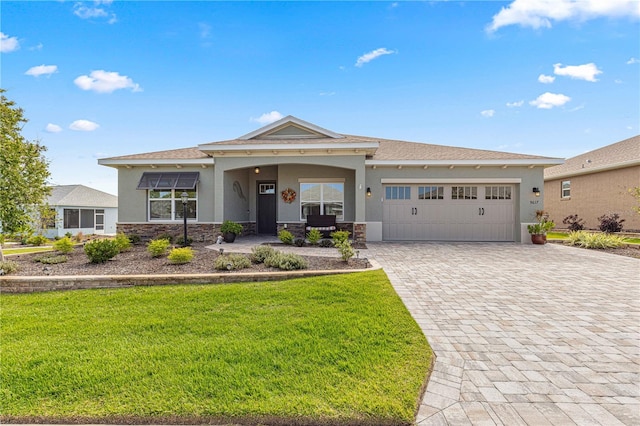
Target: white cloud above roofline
point(370, 56)
point(587, 72)
point(8, 44)
point(538, 14)
point(39, 70)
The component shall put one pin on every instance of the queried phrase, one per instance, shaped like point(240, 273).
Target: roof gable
point(290, 127)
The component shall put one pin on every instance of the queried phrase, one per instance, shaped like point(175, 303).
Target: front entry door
point(266, 213)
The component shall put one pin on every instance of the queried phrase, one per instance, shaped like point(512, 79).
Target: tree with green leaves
point(23, 172)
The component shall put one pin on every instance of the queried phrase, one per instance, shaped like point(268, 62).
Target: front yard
point(323, 350)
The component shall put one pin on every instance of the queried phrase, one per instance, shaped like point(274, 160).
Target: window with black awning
point(169, 180)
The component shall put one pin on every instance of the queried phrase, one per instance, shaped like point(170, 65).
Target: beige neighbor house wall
point(593, 195)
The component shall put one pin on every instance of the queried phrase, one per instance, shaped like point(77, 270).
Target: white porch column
point(361, 191)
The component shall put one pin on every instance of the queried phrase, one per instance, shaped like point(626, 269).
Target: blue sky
point(100, 78)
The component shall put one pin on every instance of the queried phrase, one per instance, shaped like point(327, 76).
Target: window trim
point(321, 182)
point(175, 197)
point(563, 190)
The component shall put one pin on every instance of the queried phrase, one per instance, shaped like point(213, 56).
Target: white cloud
point(546, 79)
point(42, 70)
point(549, 100)
point(91, 12)
point(368, 57)
point(586, 72)
point(84, 126)
point(515, 104)
point(106, 82)
point(8, 44)
point(540, 13)
point(205, 30)
point(488, 113)
point(617, 81)
point(633, 61)
point(267, 117)
point(327, 93)
point(53, 128)
point(36, 47)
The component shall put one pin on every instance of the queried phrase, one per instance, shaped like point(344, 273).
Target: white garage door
point(464, 212)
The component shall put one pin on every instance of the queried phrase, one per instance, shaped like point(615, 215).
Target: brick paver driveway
point(523, 334)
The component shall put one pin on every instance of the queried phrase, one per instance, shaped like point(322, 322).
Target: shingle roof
point(621, 154)
point(80, 196)
point(388, 150)
point(173, 154)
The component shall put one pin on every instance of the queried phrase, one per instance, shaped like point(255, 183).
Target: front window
point(322, 199)
point(71, 219)
point(566, 188)
point(167, 204)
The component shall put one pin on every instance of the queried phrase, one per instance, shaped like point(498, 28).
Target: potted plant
point(539, 230)
point(230, 230)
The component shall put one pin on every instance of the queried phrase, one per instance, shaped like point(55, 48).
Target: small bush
point(68, 234)
point(181, 255)
point(345, 249)
point(314, 236)
point(286, 261)
point(574, 222)
point(8, 267)
point(99, 251)
point(299, 242)
point(37, 240)
point(326, 243)
point(134, 238)
point(593, 240)
point(180, 240)
point(339, 236)
point(285, 236)
point(123, 242)
point(610, 223)
point(158, 247)
point(165, 237)
point(63, 245)
point(52, 259)
point(79, 237)
point(231, 262)
point(260, 253)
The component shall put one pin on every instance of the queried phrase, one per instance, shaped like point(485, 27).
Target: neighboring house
point(378, 189)
point(82, 209)
point(596, 183)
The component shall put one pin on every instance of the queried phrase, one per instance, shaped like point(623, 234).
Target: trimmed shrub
point(68, 234)
point(51, 259)
point(592, 240)
point(299, 242)
point(134, 238)
point(165, 237)
point(231, 262)
point(286, 261)
point(180, 240)
point(345, 249)
point(158, 247)
point(314, 236)
point(181, 255)
point(8, 267)
point(99, 251)
point(339, 236)
point(123, 242)
point(63, 245)
point(574, 222)
point(37, 240)
point(610, 223)
point(285, 236)
point(260, 253)
point(326, 243)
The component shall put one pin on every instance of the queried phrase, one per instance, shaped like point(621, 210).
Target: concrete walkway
point(524, 335)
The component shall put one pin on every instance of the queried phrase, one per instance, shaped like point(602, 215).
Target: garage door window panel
point(398, 193)
point(464, 192)
point(497, 192)
point(431, 192)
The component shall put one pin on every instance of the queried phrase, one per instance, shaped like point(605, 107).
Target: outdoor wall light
point(536, 191)
point(257, 170)
point(368, 191)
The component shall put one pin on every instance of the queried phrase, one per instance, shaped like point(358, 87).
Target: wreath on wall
point(288, 195)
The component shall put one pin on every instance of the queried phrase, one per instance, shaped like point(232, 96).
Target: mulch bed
point(138, 261)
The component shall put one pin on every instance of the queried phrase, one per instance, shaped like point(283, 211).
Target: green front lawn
point(564, 235)
point(26, 250)
point(337, 348)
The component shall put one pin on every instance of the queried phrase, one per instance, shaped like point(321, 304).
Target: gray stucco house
point(379, 189)
point(79, 208)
